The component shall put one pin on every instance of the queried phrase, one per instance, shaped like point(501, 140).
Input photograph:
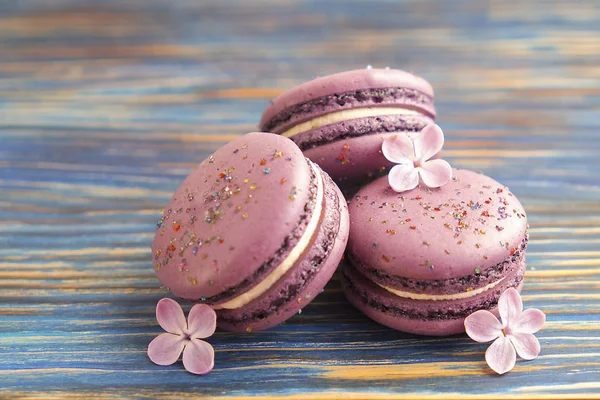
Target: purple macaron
point(255, 231)
point(421, 261)
point(340, 121)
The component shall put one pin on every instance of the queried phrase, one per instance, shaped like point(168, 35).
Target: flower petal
point(435, 173)
point(428, 143)
point(510, 307)
point(170, 316)
point(403, 177)
point(483, 326)
point(530, 321)
point(501, 356)
point(202, 322)
point(198, 357)
point(165, 348)
point(399, 149)
point(526, 345)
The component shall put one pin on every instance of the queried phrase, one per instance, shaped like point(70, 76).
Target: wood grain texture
point(106, 106)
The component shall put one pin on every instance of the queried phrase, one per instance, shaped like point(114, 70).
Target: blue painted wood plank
point(106, 106)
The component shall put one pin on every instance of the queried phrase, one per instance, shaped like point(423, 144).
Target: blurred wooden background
point(105, 106)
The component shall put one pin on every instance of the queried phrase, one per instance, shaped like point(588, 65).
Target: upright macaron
point(421, 261)
point(255, 231)
point(340, 120)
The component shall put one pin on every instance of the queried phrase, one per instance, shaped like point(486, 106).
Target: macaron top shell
point(345, 82)
point(471, 223)
point(231, 215)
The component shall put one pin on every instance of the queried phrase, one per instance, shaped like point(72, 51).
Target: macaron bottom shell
point(421, 317)
point(353, 162)
point(303, 281)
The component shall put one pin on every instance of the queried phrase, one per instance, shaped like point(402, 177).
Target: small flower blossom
point(413, 159)
point(182, 336)
point(514, 336)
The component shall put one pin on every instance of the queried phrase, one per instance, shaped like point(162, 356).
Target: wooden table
point(106, 106)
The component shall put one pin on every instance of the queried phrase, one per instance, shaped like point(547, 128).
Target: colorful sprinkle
point(293, 193)
point(342, 159)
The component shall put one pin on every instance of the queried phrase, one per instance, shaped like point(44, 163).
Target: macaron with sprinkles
point(255, 231)
point(339, 121)
point(430, 245)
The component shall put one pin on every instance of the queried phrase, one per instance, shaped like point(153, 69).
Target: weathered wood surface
point(106, 106)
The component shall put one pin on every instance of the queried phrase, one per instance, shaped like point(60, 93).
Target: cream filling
point(289, 261)
point(345, 115)
point(457, 296)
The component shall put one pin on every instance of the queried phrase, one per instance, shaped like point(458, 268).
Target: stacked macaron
point(421, 261)
point(258, 229)
point(341, 120)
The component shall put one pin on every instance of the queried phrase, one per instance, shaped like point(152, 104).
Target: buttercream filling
point(345, 115)
point(436, 297)
point(290, 260)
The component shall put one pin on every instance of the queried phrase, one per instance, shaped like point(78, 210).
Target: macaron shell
point(273, 308)
point(353, 160)
point(231, 215)
point(379, 303)
point(471, 223)
point(344, 82)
